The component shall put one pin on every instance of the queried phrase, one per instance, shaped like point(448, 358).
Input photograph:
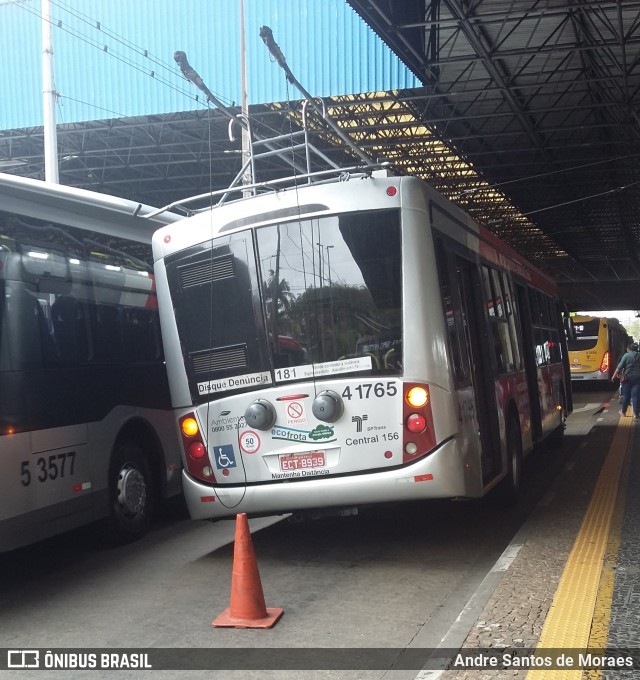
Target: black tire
point(132, 494)
point(508, 491)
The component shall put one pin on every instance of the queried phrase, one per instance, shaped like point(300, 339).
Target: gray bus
point(84, 398)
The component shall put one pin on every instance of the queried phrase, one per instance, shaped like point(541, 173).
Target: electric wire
point(96, 24)
point(104, 49)
point(615, 190)
point(491, 187)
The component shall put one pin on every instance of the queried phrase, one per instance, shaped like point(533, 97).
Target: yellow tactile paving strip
point(604, 599)
point(568, 623)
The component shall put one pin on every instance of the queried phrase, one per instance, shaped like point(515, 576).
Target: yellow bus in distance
point(596, 347)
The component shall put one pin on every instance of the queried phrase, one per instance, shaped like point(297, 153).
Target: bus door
point(477, 346)
point(529, 355)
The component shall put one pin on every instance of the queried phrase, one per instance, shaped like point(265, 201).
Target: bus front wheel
point(131, 493)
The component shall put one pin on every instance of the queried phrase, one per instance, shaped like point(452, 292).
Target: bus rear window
point(331, 290)
point(585, 335)
point(321, 296)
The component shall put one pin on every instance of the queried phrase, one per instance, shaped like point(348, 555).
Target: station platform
point(563, 601)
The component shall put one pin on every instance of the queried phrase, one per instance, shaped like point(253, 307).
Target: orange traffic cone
point(247, 608)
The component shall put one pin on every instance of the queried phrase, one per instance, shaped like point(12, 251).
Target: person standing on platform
point(628, 371)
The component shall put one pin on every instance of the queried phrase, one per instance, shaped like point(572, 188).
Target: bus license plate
point(303, 461)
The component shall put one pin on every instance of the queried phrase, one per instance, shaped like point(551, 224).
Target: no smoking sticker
point(295, 410)
point(249, 441)
point(295, 413)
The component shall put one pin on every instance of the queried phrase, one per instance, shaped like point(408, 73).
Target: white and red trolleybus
point(354, 342)
point(86, 428)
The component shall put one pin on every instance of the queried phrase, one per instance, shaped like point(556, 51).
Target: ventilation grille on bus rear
point(206, 271)
point(219, 359)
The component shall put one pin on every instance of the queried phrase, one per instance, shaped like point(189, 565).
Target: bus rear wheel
point(131, 493)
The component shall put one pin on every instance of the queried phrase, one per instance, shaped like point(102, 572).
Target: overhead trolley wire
point(105, 49)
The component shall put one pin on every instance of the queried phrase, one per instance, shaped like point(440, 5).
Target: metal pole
point(319, 261)
point(49, 98)
point(327, 248)
point(246, 139)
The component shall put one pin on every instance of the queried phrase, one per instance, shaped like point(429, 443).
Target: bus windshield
point(315, 297)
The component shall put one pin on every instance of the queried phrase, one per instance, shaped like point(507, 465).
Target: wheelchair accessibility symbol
point(225, 457)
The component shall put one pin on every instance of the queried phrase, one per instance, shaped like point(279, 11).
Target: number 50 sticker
point(249, 441)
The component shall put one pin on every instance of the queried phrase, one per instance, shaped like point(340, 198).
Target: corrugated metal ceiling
point(541, 98)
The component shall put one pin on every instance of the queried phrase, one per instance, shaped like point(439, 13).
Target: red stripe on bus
point(207, 499)
point(152, 299)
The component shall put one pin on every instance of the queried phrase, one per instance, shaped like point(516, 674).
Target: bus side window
point(69, 329)
point(535, 309)
point(31, 344)
point(106, 333)
point(501, 331)
point(452, 317)
point(543, 352)
point(141, 341)
point(511, 320)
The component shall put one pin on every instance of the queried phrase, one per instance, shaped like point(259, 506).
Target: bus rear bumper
point(439, 475)
point(590, 375)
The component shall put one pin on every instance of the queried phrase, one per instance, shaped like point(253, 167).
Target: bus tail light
point(604, 364)
point(197, 450)
point(417, 396)
point(416, 423)
point(418, 434)
point(195, 458)
point(189, 426)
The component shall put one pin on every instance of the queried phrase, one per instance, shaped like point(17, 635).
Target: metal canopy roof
point(528, 119)
point(541, 97)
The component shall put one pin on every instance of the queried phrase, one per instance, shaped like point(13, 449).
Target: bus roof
point(91, 210)
point(591, 317)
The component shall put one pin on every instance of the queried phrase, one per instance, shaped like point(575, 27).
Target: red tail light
point(416, 423)
point(197, 450)
point(418, 434)
point(195, 458)
point(604, 365)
